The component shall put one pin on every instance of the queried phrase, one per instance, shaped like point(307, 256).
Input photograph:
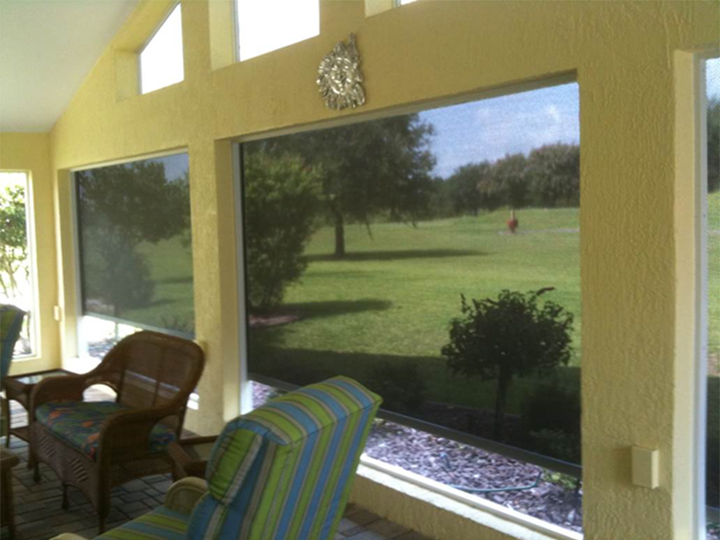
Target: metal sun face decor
point(340, 78)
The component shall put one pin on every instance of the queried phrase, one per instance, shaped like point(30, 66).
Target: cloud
point(490, 129)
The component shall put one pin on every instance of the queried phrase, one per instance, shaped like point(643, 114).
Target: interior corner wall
point(622, 55)
point(30, 152)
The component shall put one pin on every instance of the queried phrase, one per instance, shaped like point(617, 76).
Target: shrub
point(401, 385)
point(282, 197)
point(552, 407)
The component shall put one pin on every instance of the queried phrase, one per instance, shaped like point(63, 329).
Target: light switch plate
point(645, 467)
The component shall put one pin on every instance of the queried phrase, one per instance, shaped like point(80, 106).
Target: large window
point(434, 257)
point(17, 269)
point(135, 250)
point(267, 25)
point(713, 297)
point(161, 61)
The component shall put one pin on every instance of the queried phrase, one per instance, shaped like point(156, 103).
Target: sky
point(491, 128)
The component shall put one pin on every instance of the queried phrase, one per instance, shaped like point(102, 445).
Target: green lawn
point(394, 295)
point(172, 303)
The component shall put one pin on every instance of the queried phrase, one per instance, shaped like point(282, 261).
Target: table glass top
point(34, 378)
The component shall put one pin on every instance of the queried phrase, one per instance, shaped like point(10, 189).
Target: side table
point(18, 388)
point(190, 456)
point(7, 517)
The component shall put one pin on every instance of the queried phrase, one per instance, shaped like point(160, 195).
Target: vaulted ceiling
point(47, 48)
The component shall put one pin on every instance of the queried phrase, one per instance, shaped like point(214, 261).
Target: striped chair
point(11, 321)
point(282, 472)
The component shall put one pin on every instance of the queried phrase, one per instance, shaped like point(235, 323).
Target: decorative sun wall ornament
point(340, 78)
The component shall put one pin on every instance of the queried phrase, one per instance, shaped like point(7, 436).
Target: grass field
point(394, 295)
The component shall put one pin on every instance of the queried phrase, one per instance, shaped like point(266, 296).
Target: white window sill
point(473, 511)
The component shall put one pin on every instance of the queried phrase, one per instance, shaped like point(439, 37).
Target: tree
point(13, 237)
point(368, 168)
point(463, 186)
point(553, 173)
point(507, 182)
point(508, 337)
point(122, 206)
point(282, 200)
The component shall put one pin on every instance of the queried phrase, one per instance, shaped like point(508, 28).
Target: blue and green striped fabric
point(160, 524)
point(11, 320)
point(284, 471)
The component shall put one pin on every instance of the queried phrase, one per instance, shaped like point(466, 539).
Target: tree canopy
point(369, 168)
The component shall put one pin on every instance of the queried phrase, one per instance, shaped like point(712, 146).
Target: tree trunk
point(500, 404)
point(339, 235)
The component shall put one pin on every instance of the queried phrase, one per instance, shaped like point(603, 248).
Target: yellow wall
point(30, 152)
point(622, 56)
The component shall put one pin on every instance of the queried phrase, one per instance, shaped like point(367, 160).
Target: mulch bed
point(469, 469)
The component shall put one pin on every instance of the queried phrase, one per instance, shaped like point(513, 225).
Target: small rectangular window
point(267, 25)
point(135, 251)
point(17, 271)
point(161, 61)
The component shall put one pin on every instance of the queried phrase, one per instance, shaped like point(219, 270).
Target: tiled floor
point(38, 515)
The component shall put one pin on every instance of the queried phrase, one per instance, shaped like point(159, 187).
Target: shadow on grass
point(396, 255)
point(333, 308)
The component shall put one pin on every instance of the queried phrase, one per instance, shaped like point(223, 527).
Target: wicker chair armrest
point(184, 494)
point(70, 387)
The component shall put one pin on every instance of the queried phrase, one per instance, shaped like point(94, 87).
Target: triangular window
point(161, 61)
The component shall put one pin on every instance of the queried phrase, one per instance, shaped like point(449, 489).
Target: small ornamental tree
point(511, 336)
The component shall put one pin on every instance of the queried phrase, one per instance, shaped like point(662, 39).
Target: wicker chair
point(98, 445)
point(281, 472)
point(11, 321)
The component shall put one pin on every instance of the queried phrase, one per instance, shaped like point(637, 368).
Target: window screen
point(373, 248)
point(713, 298)
point(135, 245)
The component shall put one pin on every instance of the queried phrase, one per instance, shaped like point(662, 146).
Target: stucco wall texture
point(622, 55)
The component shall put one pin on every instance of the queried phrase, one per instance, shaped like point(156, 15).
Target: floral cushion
point(78, 423)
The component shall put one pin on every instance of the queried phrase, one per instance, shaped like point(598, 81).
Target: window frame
point(408, 478)
point(34, 327)
point(144, 46)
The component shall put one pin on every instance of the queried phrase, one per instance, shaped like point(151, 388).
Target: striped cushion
point(158, 524)
point(11, 320)
point(283, 472)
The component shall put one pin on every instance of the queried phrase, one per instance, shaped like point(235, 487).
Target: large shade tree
point(369, 168)
point(464, 192)
point(122, 206)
